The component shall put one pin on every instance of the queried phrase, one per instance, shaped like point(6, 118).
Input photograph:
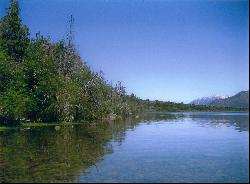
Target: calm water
point(159, 147)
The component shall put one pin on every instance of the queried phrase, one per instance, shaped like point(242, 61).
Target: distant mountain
point(241, 99)
point(207, 100)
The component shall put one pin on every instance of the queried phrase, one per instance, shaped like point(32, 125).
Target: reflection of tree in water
point(158, 116)
point(53, 154)
point(120, 128)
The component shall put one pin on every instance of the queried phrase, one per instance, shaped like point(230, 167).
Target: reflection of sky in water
point(239, 121)
point(157, 147)
point(179, 148)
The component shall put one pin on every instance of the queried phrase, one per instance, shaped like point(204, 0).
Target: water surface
point(158, 147)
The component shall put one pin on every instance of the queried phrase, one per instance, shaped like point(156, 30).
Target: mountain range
point(241, 99)
point(206, 100)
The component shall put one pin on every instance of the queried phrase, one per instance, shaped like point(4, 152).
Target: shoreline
point(26, 126)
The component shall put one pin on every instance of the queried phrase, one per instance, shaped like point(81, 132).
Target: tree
point(5, 71)
point(41, 78)
point(13, 35)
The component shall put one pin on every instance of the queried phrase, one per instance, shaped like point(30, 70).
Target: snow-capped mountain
point(240, 100)
point(207, 100)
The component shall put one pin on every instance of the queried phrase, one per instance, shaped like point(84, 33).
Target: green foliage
point(15, 106)
point(42, 79)
point(13, 35)
point(5, 70)
point(71, 102)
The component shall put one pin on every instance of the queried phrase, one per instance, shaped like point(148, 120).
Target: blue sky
point(160, 49)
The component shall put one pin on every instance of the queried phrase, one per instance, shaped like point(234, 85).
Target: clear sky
point(160, 49)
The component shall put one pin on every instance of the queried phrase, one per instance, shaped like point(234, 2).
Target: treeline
point(178, 107)
point(42, 81)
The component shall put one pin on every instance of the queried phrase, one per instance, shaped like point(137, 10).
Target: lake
point(157, 147)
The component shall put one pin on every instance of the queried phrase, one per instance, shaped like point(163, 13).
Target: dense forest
point(42, 81)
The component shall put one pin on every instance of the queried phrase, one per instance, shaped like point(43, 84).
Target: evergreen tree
point(13, 35)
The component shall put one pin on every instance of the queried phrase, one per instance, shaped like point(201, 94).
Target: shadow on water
point(61, 153)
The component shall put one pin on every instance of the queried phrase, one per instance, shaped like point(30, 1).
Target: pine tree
point(13, 35)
